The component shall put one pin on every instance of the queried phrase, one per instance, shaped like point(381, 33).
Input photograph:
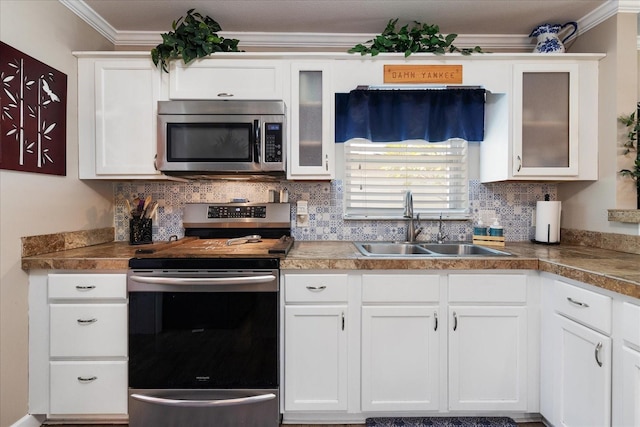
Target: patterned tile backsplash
point(513, 204)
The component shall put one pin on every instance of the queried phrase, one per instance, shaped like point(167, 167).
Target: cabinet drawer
point(489, 288)
point(400, 288)
point(88, 387)
point(87, 286)
point(631, 323)
point(315, 288)
point(85, 330)
point(585, 306)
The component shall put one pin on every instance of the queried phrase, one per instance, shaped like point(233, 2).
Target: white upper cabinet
point(545, 119)
point(215, 78)
point(311, 122)
point(117, 115)
point(551, 131)
point(541, 111)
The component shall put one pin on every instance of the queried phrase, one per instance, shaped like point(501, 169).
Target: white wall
point(33, 204)
point(585, 205)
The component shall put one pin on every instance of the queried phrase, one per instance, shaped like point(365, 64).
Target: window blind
point(378, 174)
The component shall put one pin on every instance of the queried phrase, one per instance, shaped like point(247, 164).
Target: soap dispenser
point(480, 229)
point(496, 229)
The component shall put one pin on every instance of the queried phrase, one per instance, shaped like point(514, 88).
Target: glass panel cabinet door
point(311, 124)
point(545, 120)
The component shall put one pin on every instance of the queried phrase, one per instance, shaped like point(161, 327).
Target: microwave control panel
point(273, 143)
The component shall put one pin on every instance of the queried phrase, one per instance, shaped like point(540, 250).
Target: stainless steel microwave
point(221, 137)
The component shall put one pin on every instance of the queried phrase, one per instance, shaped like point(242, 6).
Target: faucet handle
point(408, 204)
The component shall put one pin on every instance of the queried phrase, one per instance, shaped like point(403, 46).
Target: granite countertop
point(612, 270)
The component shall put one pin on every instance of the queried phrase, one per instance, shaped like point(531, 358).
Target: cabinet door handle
point(578, 303)
point(435, 318)
point(455, 321)
point(87, 321)
point(597, 353)
point(225, 95)
point(519, 163)
point(85, 287)
point(343, 320)
point(87, 379)
point(326, 162)
point(317, 288)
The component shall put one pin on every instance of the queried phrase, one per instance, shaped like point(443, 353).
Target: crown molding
point(342, 41)
point(88, 15)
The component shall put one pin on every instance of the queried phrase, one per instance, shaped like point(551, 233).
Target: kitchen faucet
point(440, 237)
point(408, 213)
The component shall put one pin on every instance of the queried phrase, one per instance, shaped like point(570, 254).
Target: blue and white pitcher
point(549, 37)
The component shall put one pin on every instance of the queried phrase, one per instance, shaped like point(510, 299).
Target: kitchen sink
point(462, 249)
point(418, 249)
point(391, 248)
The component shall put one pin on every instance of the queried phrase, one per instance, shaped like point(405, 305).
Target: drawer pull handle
point(578, 303)
point(317, 288)
point(597, 354)
point(455, 321)
point(435, 318)
point(87, 379)
point(225, 95)
point(85, 287)
point(87, 321)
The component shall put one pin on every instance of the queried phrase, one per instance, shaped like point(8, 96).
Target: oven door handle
point(201, 403)
point(245, 280)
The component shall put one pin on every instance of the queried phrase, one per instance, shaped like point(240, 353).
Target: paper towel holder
point(546, 199)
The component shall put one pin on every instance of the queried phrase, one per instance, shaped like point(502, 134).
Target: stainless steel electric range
point(204, 321)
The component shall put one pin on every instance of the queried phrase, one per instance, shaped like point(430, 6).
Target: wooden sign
point(443, 74)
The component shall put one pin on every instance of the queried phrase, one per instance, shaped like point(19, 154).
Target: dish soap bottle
point(480, 229)
point(496, 229)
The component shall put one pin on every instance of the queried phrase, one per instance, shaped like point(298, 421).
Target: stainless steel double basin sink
point(425, 250)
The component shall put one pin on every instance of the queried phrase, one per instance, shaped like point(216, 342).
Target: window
point(377, 175)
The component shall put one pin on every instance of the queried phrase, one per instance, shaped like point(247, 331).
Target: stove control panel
point(235, 211)
point(236, 215)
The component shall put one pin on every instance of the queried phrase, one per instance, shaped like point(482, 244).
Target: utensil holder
point(140, 232)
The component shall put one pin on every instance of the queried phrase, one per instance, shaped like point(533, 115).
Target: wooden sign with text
point(450, 74)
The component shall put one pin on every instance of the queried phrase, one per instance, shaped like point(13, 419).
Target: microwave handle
point(256, 127)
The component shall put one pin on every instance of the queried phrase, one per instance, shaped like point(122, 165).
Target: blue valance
point(396, 115)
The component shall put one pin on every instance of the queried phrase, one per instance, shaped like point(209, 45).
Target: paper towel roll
point(548, 222)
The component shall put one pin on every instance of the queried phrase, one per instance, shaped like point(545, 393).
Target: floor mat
point(441, 422)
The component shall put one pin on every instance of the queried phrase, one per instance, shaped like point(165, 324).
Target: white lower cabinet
point(630, 415)
point(400, 343)
point(583, 376)
point(628, 373)
point(487, 358)
point(419, 343)
point(78, 345)
point(315, 342)
point(488, 342)
point(576, 355)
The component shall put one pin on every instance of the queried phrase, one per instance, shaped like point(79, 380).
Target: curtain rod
point(414, 87)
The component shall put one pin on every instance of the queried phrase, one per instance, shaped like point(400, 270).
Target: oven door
point(203, 344)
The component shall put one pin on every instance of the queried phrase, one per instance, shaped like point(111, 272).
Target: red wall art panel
point(33, 102)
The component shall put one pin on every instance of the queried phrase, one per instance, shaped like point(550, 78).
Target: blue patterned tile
point(512, 203)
